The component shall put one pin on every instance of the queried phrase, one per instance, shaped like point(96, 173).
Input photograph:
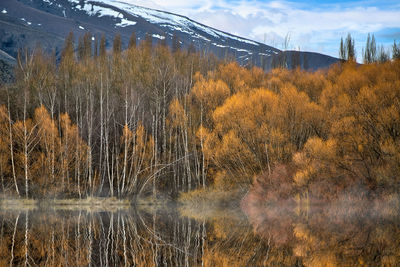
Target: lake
point(324, 235)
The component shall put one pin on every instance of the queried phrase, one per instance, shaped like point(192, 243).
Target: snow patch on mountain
point(125, 23)
point(240, 50)
point(158, 36)
point(94, 10)
point(218, 45)
point(100, 11)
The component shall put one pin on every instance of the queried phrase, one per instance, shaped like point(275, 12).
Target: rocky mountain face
point(24, 23)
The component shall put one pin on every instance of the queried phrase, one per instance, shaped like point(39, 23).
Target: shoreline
point(90, 203)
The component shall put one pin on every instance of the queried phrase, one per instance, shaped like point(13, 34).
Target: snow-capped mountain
point(26, 22)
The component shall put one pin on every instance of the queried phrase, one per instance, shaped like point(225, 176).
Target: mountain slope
point(26, 22)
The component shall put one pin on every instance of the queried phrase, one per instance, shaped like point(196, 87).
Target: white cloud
point(311, 27)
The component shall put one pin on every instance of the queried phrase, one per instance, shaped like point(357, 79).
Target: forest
point(150, 120)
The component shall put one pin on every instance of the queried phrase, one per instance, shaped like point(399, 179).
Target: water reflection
point(267, 236)
point(82, 238)
point(344, 233)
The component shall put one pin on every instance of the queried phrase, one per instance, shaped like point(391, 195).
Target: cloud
point(312, 26)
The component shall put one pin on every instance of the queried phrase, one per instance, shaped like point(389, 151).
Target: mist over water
point(336, 234)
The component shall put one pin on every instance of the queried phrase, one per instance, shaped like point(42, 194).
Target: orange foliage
point(340, 127)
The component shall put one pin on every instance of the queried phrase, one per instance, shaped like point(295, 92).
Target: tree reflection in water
point(336, 235)
point(84, 238)
point(344, 233)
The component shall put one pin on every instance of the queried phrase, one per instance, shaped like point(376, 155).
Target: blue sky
point(312, 25)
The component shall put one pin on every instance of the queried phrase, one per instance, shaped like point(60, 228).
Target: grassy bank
point(18, 204)
point(210, 203)
point(90, 203)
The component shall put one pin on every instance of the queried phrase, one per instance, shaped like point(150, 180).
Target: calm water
point(265, 236)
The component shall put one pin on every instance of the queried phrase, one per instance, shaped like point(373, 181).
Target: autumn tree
point(383, 54)
point(347, 50)
point(370, 52)
point(132, 41)
point(49, 147)
point(5, 168)
point(72, 156)
point(396, 50)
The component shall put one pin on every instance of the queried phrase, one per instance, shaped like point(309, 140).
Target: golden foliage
point(210, 93)
point(177, 114)
point(337, 126)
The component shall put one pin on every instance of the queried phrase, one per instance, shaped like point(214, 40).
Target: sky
point(315, 26)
